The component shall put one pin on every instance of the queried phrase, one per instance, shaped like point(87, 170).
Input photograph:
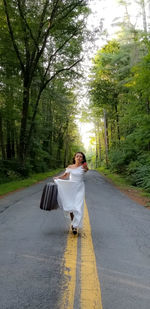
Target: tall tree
point(46, 38)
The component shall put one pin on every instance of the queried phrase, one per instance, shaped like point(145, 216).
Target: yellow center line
point(90, 285)
point(69, 282)
point(90, 297)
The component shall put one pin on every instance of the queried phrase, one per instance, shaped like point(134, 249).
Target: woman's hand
point(64, 176)
point(85, 167)
point(56, 177)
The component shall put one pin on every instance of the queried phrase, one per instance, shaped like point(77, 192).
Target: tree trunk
point(50, 129)
point(148, 106)
point(12, 142)
point(96, 149)
point(17, 142)
point(149, 15)
point(8, 143)
point(23, 129)
point(117, 119)
point(144, 15)
point(2, 138)
point(66, 152)
point(111, 132)
point(66, 146)
point(106, 137)
point(100, 147)
point(60, 142)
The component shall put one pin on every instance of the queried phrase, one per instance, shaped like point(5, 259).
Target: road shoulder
point(131, 192)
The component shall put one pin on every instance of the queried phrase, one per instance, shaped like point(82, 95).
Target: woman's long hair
point(84, 158)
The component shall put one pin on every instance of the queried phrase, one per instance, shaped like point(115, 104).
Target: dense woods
point(40, 67)
point(41, 44)
point(120, 100)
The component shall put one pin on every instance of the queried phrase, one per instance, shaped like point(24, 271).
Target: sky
point(106, 11)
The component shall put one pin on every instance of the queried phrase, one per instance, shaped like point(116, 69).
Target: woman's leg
point(74, 229)
point(71, 216)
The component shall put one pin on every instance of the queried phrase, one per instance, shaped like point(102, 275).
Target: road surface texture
point(44, 266)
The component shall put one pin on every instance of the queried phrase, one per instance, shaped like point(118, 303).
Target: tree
point(120, 86)
point(46, 37)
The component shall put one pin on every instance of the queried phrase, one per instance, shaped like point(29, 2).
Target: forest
point(120, 99)
point(41, 43)
point(41, 59)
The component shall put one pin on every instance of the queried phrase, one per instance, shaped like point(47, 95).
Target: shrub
point(119, 159)
point(139, 171)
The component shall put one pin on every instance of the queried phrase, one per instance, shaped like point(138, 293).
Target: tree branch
point(39, 31)
point(42, 19)
point(70, 10)
point(12, 36)
point(26, 38)
point(61, 70)
point(26, 23)
point(57, 50)
point(38, 55)
point(39, 96)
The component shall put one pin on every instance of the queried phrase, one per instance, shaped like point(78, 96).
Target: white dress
point(71, 194)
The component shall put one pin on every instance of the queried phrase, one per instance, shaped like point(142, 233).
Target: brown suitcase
point(49, 197)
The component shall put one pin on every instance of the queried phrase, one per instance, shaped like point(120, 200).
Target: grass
point(116, 178)
point(23, 183)
point(121, 181)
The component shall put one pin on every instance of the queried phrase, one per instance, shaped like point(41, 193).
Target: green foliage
point(139, 171)
point(120, 86)
point(117, 179)
point(23, 183)
point(142, 177)
point(41, 42)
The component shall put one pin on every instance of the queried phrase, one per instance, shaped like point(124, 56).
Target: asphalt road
point(33, 242)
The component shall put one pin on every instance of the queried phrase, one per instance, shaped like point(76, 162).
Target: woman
point(71, 192)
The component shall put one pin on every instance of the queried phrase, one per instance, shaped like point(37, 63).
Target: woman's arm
point(63, 176)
